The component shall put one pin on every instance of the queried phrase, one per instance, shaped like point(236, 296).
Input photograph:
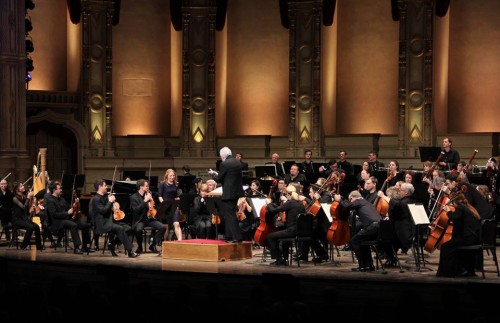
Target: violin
point(117, 213)
point(215, 219)
point(77, 213)
point(240, 214)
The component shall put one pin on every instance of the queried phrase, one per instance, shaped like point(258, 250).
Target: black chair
point(384, 242)
point(303, 233)
point(487, 241)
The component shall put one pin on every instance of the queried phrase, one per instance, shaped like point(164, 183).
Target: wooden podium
point(206, 250)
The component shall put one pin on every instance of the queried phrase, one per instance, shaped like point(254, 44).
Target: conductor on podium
point(231, 178)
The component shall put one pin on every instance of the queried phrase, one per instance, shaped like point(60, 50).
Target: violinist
point(6, 196)
point(139, 208)
point(202, 215)
point(21, 217)
point(394, 173)
point(293, 208)
point(169, 197)
point(101, 211)
point(473, 196)
point(466, 226)
point(280, 191)
point(59, 215)
point(451, 157)
point(246, 219)
point(369, 218)
point(318, 192)
point(327, 171)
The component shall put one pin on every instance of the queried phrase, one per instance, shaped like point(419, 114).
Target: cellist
point(292, 207)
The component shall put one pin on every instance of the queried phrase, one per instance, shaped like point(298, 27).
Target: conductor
point(232, 188)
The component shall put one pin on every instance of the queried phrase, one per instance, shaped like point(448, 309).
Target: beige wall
point(49, 19)
point(141, 69)
point(367, 68)
point(257, 69)
point(474, 66)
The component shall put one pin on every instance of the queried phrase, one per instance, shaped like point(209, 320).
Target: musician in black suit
point(101, 212)
point(139, 208)
point(21, 218)
point(232, 188)
point(60, 216)
point(6, 196)
point(275, 160)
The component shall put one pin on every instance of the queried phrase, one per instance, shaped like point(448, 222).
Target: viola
point(382, 205)
point(240, 214)
point(215, 219)
point(151, 209)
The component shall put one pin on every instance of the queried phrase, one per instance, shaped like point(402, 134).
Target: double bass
point(266, 225)
point(339, 232)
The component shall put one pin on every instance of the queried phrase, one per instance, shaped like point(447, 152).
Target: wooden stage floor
point(241, 280)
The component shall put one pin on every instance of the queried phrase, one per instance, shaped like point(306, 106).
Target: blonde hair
point(290, 189)
point(203, 187)
point(167, 172)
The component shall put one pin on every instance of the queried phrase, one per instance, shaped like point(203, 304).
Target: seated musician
point(466, 226)
point(246, 219)
point(292, 208)
point(139, 208)
point(369, 218)
point(60, 217)
point(202, 216)
point(22, 203)
point(318, 192)
point(101, 211)
point(295, 176)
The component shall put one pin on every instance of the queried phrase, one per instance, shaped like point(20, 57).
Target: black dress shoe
point(320, 259)
point(138, 250)
point(300, 257)
point(359, 269)
point(132, 254)
point(113, 253)
point(152, 248)
point(78, 251)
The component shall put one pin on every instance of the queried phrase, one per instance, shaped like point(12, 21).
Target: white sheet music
point(257, 203)
point(326, 207)
point(418, 214)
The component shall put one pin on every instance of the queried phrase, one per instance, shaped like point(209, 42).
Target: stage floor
point(304, 293)
point(338, 268)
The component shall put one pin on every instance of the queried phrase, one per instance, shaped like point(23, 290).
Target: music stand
point(185, 182)
point(257, 203)
point(265, 171)
point(134, 174)
point(429, 153)
point(421, 221)
point(287, 164)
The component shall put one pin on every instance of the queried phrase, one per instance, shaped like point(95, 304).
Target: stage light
point(29, 4)
point(28, 26)
point(29, 46)
point(28, 77)
point(29, 64)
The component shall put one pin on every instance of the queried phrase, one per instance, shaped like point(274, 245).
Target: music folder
point(418, 214)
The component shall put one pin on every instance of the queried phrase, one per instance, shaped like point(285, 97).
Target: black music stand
point(421, 221)
point(265, 171)
point(429, 153)
point(287, 164)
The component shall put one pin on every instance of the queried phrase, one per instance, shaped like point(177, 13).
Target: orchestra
point(432, 186)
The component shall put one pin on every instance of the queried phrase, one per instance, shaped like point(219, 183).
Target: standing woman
point(466, 225)
point(169, 198)
point(21, 216)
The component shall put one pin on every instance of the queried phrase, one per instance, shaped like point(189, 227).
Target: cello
point(339, 232)
point(441, 228)
point(266, 225)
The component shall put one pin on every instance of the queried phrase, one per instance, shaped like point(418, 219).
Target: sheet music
point(257, 203)
point(418, 214)
point(326, 208)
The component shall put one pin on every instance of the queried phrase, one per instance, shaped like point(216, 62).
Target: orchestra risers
point(206, 250)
